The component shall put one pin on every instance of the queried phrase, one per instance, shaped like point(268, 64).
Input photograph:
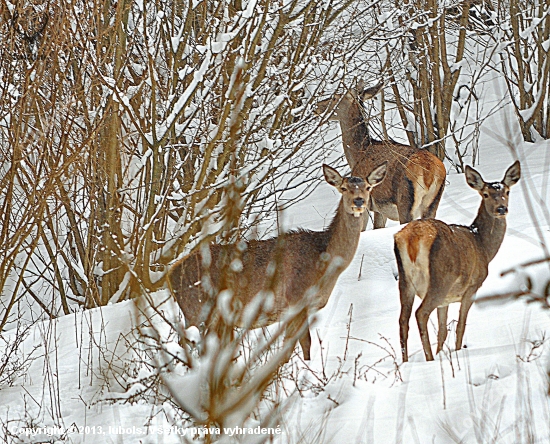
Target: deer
point(302, 264)
point(415, 179)
point(443, 263)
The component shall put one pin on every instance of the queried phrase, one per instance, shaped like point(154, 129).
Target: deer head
point(494, 194)
point(339, 104)
point(355, 191)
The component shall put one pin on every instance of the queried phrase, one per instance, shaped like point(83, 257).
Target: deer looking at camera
point(415, 179)
point(447, 263)
point(301, 258)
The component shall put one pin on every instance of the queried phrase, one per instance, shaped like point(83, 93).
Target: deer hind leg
point(406, 201)
point(406, 295)
point(442, 327)
point(467, 302)
point(431, 208)
point(378, 220)
point(407, 298)
point(428, 305)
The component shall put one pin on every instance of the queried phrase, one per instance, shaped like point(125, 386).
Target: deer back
point(286, 257)
point(415, 178)
point(435, 254)
point(288, 265)
point(456, 257)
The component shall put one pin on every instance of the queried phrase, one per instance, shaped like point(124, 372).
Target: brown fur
point(413, 247)
point(411, 238)
point(447, 263)
point(420, 166)
point(301, 257)
point(415, 178)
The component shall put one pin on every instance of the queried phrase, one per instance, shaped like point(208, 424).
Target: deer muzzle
point(502, 210)
point(360, 206)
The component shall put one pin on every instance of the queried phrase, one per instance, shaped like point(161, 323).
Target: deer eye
point(507, 193)
point(485, 195)
point(344, 189)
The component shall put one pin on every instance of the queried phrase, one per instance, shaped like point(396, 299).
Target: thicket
point(131, 132)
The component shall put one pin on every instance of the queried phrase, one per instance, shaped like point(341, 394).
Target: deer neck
point(343, 235)
point(355, 135)
point(488, 231)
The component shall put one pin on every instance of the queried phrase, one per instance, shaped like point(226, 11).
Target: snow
point(81, 377)
point(494, 388)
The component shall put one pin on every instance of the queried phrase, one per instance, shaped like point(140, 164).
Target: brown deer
point(415, 179)
point(301, 256)
point(447, 263)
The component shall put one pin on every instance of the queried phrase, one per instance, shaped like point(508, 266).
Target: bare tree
point(136, 119)
point(419, 51)
point(524, 41)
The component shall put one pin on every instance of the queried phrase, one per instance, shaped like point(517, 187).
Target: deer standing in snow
point(415, 179)
point(301, 258)
point(447, 263)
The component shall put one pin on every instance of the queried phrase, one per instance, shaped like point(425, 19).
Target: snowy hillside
point(355, 389)
point(132, 133)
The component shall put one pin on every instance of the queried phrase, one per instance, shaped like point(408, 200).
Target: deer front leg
point(366, 217)
point(467, 302)
point(298, 330)
point(379, 220)
point(305, 342)
point(442, 327)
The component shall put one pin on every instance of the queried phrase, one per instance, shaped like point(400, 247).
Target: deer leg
point(379, 220)
point(298, 330)
point(422, 315)
point(467, 302)
point(405, 216)
point(305, 342)
point(405, 201)
point(407, 298)
point(406, 295)
point(432, 208)
point(442, 328)
point(366, 216)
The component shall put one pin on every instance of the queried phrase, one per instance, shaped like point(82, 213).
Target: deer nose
point(502, 210)
point(359, 202)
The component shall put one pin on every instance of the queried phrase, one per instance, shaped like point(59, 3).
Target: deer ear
point(350, 95)
point(332, 176)
point(369, 93)
point(513, 173)
point(474, 179)
point(377, 175)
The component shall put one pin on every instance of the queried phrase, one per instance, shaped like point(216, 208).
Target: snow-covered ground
point(491, 391)
point(494, 390)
